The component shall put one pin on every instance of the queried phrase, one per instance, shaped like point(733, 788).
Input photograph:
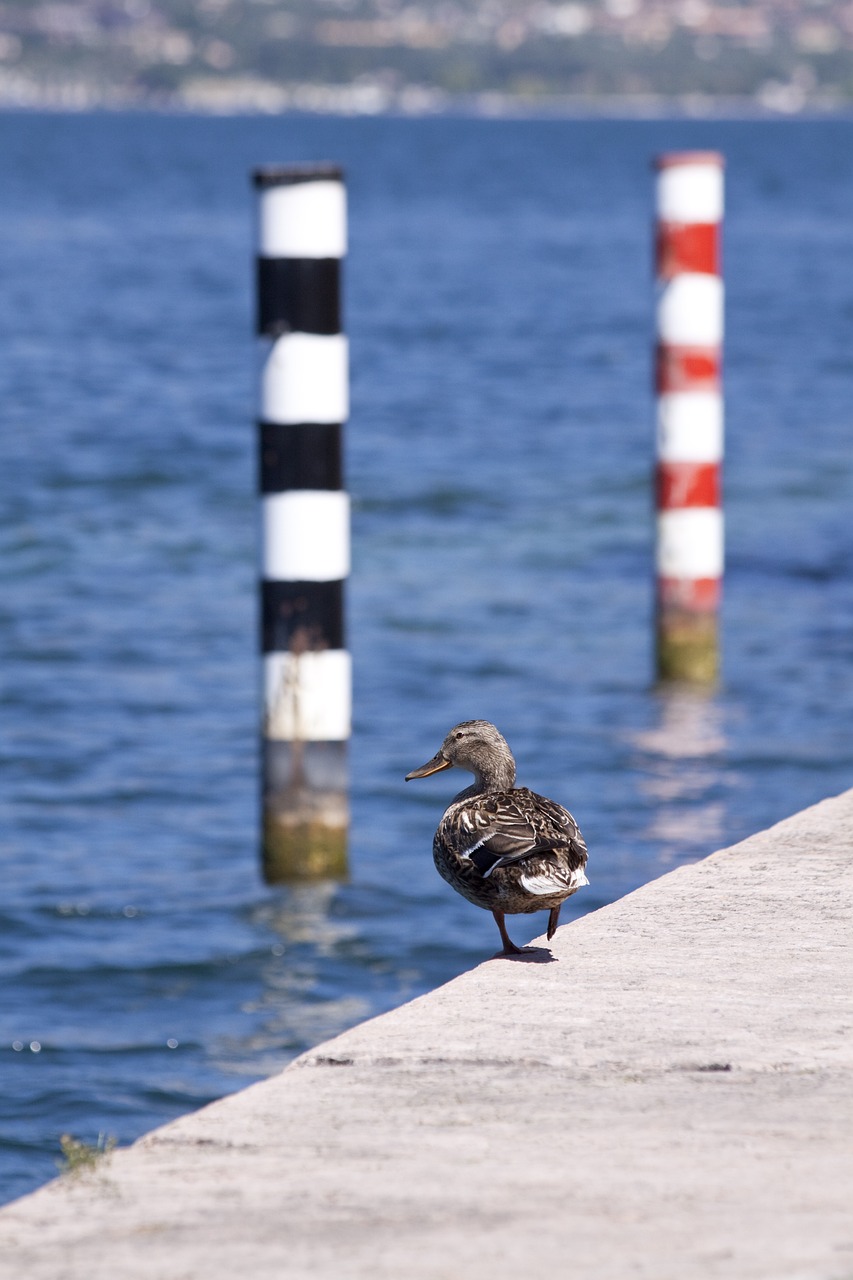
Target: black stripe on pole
point(277, 175)
point(297, 616)
point(302, 456)
point(301, 295)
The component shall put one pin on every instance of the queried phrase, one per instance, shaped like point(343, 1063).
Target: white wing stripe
point(545, 884)
point(478, 845)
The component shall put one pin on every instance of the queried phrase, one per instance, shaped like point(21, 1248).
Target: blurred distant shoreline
point(246, 99)
point(638, 58)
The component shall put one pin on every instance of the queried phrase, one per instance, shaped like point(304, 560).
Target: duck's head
point(475, 745)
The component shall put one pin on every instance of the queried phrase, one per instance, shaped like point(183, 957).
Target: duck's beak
point(435, 765)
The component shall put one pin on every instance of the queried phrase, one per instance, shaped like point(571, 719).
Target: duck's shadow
point(530, 955)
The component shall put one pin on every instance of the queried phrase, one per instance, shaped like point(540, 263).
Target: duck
point(504, 848)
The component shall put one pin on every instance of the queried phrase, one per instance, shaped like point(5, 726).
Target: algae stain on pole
point(305, 520)
point(689, 558)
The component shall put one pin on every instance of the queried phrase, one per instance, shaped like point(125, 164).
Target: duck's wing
point(503, 828)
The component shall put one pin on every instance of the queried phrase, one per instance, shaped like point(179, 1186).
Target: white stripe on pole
point(308, 696)
point(690, 426)
point(690, 193)
point(690, 310)
point(306, 535)
point(303, 220)
point(305, 378)
point(690, 543)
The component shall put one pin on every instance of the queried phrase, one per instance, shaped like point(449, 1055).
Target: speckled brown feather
point(535, 838)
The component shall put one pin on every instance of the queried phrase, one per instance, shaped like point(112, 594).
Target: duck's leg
point(553, 920)
point(510, 949)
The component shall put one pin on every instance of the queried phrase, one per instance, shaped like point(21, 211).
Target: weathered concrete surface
point(673, 1097)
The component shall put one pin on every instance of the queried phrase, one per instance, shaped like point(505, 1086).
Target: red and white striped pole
point(690, 414)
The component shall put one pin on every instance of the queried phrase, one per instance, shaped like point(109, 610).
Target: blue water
point(499, 305)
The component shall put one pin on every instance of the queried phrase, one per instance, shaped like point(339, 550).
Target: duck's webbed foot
point(510, 949)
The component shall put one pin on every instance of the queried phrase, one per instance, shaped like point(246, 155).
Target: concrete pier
point(670, 1096)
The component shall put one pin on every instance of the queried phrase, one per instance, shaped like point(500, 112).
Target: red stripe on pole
point(694, 595)
point(687, 484)
point(672, 158)
point(687, 368)
point(693, 246)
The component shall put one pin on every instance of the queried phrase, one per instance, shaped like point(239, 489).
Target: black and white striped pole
point(304, 401)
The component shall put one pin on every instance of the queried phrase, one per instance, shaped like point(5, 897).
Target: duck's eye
point(459, 737)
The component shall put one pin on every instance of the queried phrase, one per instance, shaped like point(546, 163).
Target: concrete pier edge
point(670, 1096)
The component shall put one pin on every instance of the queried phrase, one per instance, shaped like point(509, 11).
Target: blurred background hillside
point(368, 56)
